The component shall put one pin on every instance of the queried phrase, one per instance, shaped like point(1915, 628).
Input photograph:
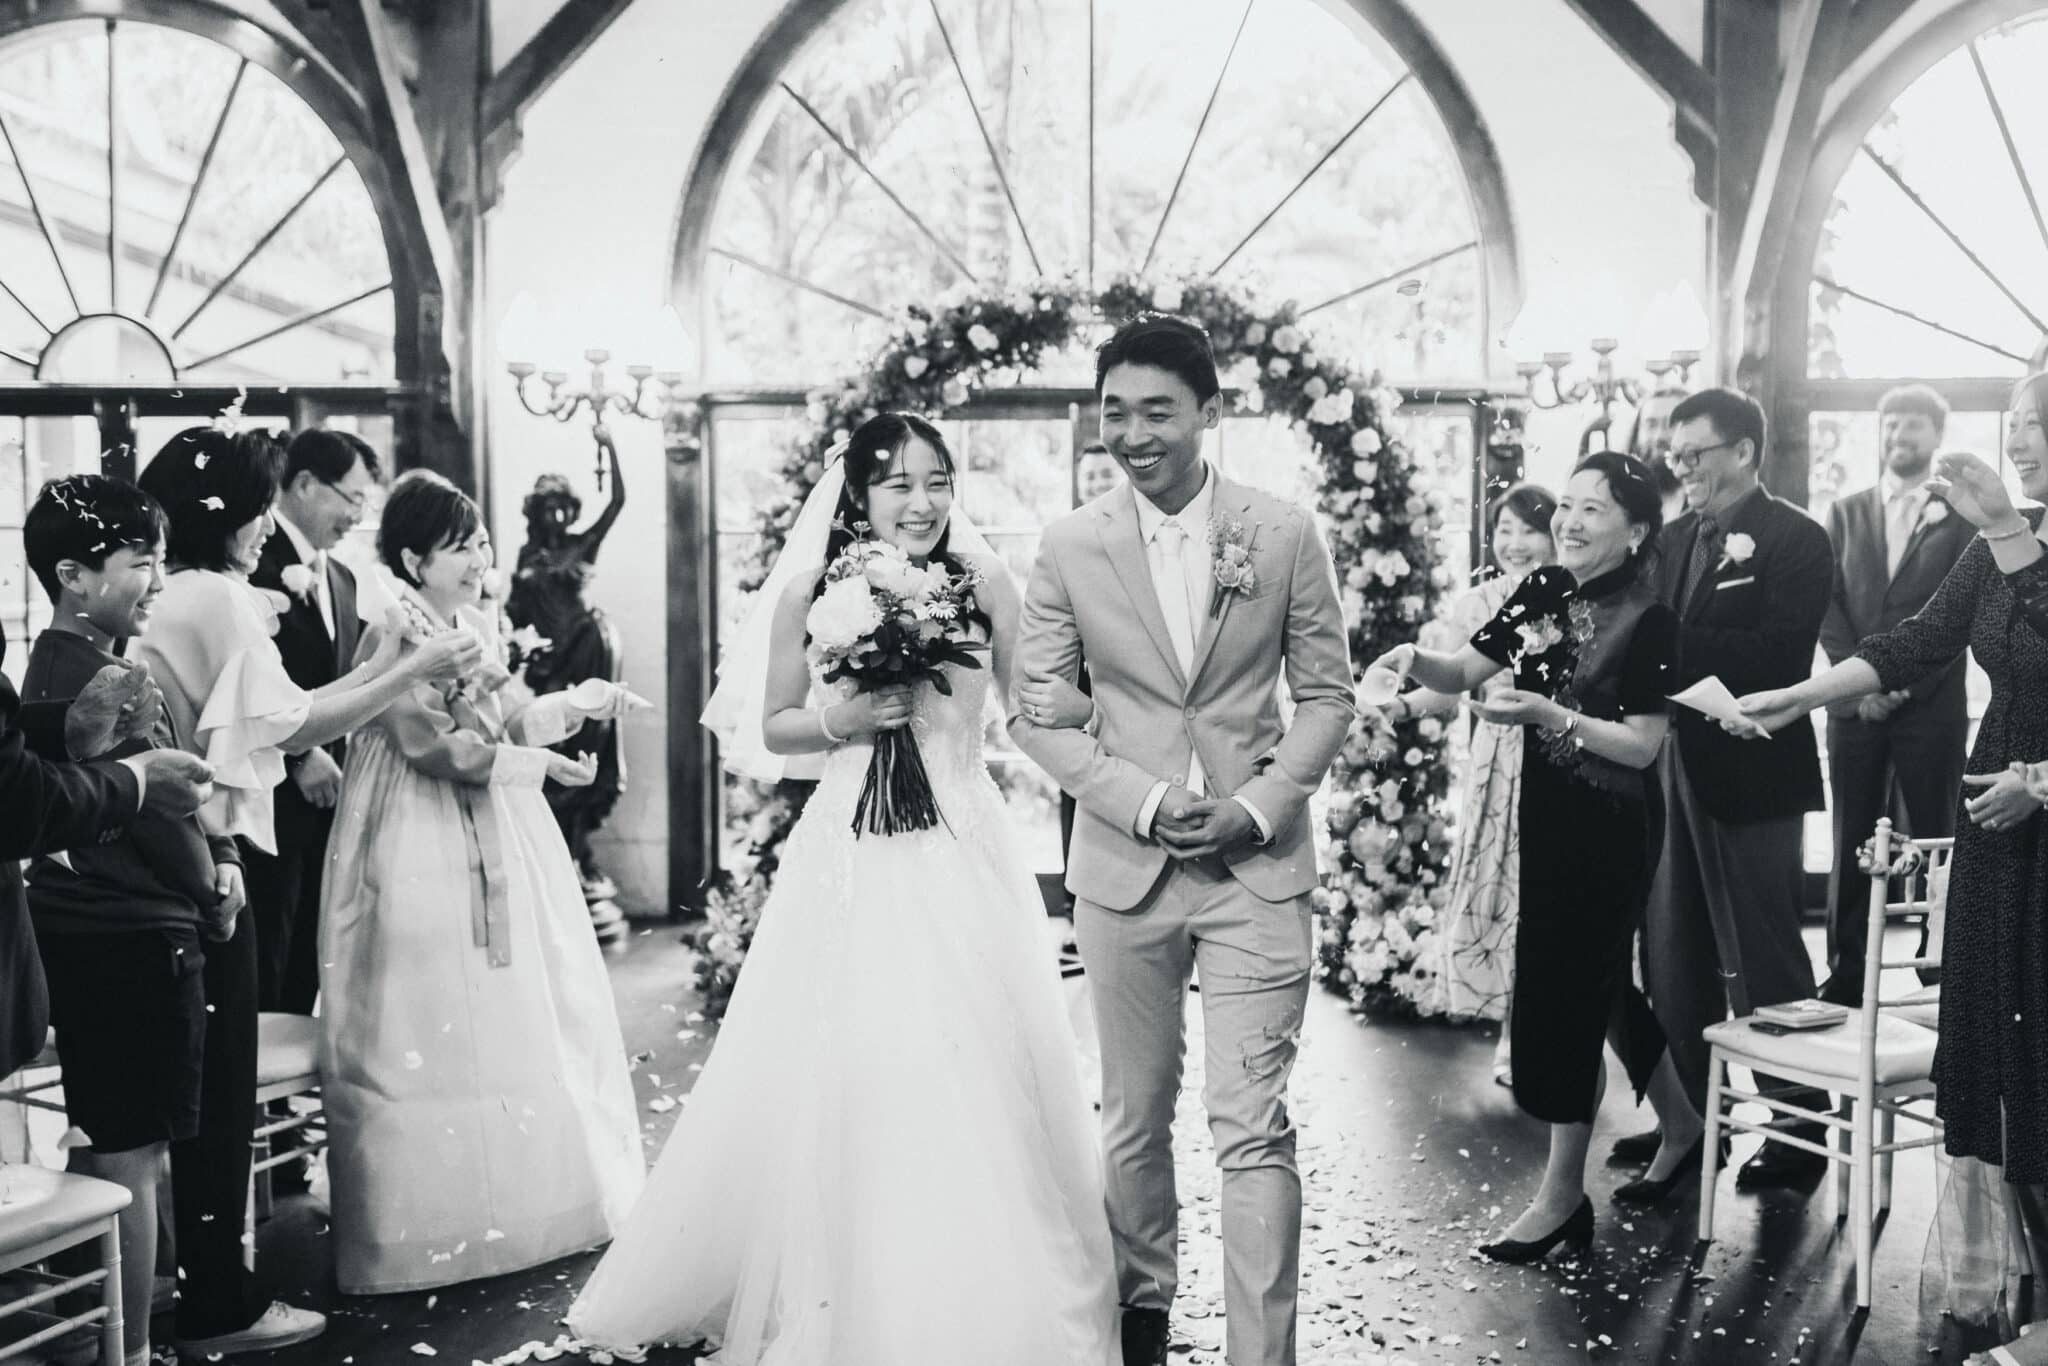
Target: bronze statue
point(546, 594)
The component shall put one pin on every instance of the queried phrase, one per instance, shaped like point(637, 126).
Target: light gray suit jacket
point(1091, 594)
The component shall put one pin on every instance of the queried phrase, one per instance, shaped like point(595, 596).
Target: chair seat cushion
point(287, 1048)
point(1921, 1006)
point(1905, 1051)
point(37, 1204)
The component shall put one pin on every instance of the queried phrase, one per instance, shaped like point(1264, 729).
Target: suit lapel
point(341, 595)
point(1921, 529)
point(1747, 518)
point(1126, 549)
point(1229, 501)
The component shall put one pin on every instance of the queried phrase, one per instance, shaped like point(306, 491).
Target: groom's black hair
point(1163, 342)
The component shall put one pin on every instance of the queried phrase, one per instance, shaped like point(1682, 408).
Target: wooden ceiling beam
point(566, 36)
point(1817, 48)
point(1653, 54)
point(1869, 21)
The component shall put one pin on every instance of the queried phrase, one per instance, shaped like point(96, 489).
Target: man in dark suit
point(49, 803)
point(1893, 546)
point(327, 481)
point(1748, 574)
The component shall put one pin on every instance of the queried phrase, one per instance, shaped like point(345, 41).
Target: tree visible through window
point(920, 146)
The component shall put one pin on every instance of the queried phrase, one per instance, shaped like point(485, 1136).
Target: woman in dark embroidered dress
point(1591, 649)
point(1991, 1067)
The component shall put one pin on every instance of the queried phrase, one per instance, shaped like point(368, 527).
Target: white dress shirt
point(315, 560)
point(1191, 579)
point(1904, 505)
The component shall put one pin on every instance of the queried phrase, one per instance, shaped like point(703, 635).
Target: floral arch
point(1389, 854)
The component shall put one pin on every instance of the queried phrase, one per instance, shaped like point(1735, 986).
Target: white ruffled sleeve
point(211, 643)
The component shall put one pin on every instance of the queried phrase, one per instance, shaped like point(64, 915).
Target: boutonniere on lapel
point(1231, 555)
point(1935, 513)
point(298, 581)
point(1736, 550)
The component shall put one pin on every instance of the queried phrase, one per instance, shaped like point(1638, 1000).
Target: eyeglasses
point(1685, 460)
point(358, 503)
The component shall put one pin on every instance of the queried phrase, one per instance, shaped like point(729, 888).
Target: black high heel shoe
point(1576, 1233)
point(1644, 1191)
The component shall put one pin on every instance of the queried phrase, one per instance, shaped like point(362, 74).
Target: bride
point(887, 1160)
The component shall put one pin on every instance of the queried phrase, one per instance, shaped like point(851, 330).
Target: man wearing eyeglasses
point(1894, 544)
point(1749, 575)
point(328, 480)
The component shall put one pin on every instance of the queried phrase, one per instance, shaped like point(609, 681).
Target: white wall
point(1601, 196)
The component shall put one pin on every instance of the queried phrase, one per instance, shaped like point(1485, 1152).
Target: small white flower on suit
point(298, 581)
point(1737, 549)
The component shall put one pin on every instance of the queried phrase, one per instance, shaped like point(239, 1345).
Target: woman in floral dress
point(1475, 967)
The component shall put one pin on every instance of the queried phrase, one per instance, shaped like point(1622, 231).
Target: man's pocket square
point(1734, 583)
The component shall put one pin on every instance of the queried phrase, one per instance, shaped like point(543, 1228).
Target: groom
point(1192, 848)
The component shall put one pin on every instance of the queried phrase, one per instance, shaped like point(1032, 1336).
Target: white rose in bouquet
point(1365, 442)
point(844, 614)
point(891, 571)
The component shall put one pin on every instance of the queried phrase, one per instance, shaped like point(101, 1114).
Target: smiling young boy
point(121, 925)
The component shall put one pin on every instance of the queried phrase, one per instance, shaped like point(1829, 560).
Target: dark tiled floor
point(1410, 1154)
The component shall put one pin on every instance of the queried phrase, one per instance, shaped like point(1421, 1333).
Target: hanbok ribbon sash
point(490, 912)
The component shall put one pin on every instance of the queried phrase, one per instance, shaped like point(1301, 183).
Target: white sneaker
point(282, 1325)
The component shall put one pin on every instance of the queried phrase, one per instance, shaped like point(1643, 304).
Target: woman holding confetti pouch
point(480, 1113)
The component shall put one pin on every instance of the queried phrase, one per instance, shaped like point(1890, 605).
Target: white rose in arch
point(1279, 367)
point(915, 366)
point(1169, 298)
point(981, 338)
point(1315, 389)
point(955, 392)
point(1287, 338)
point(1255, 335)
point(1365, 441)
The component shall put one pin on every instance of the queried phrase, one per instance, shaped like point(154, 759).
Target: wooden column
point(693, 779)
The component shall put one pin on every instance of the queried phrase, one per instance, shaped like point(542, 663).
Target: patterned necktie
point(1704, 546)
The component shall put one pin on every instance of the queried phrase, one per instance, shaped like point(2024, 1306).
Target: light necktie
point(1171, 538)
point(1898, 531)
point(1173, 591)
point(320, 592)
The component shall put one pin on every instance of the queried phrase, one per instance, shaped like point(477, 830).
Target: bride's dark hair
point(873, 448)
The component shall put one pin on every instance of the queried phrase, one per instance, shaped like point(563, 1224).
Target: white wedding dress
point(888, 1160)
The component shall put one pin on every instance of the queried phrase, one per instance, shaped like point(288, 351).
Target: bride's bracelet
point(825, 727)
point(2021, 530)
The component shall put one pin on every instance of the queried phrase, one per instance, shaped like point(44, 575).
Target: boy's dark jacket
point(158, 874)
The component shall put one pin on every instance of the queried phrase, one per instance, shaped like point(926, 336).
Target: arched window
point(878, 153)
point(909, 147)
point(177, 225)
point(1927, 225)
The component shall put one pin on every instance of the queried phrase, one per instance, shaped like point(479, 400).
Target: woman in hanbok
point(480, 1114)
point(229, 700)
point(887, 1160)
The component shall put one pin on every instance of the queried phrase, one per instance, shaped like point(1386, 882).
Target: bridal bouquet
point(882, 620)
